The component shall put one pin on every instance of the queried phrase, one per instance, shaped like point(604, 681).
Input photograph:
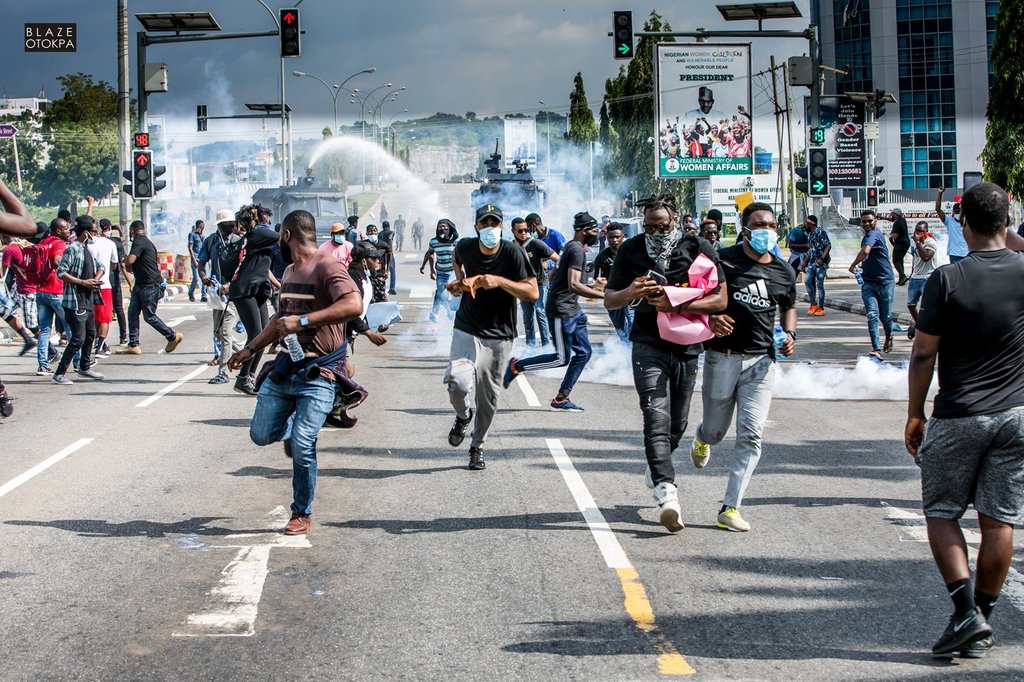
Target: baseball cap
point(488, 211)
point(361, 250)
point(337, 228)
point(225, 216)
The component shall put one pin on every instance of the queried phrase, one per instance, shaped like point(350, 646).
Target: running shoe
point(730, 519)
point(979, 648)
point(62, 380)
point(43, 371)
point(565, 405)
point(820, 312)
point(458, 432)
point(129, 350)
point(700, 453)
point(173, 343)
point(669, 513)
point(511, 372)
point(476, 459)
point(962, 631)
point(812, 310)
point(90, 374)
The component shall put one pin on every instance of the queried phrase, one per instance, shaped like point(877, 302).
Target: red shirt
point(14, 256)
point(54, 248)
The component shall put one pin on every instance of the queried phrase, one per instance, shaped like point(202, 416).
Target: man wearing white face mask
point(491, 274)
point(739, 363)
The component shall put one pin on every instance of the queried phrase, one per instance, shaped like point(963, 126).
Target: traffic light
point(142, 174)
point(290, 46)
point(801, 185)
point(872, 196)
point(879, 103)
point(622, 32)
point(817, 136)
point(877, 174)
point(817, 171)
point(158, 184)
point(201, 118)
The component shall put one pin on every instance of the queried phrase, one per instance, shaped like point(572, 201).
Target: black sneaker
point(962, 631)
point(458, 432)
point(979, 648)
point(476, 459)
point(243, 386)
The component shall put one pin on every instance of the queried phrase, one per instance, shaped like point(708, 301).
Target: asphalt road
point(139, 535)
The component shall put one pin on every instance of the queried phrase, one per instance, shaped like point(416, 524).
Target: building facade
point(16, 106)
point(934, 56)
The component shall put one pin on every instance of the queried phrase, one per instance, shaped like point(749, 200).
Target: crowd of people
point(739, 304)
point(706, 132)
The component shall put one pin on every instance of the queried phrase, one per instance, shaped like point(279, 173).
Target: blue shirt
point(957, 245)
point(876, 268)
point(195, 240)
point(554, 239)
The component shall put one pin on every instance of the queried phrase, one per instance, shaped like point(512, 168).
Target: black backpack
point(230, 255)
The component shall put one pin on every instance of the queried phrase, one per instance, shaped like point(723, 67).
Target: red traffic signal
point(142, 140)
point(872, 196)
point(290, 33)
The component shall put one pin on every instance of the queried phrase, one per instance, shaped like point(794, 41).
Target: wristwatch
point(791, 333)
point(304, 321)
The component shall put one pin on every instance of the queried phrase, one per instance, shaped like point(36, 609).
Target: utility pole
point(778, 132)
point(789, 137)
point(123, 108)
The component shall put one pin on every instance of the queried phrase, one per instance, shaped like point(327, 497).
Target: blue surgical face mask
point(338, 238)
point(490, 236)
point(372, 238)
point(762, 241)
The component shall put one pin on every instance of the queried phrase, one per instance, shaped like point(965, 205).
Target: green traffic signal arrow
point(818, 186)
point(623, 48)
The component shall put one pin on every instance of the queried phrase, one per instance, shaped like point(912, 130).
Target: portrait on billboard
point(520, 141)
point(703, 109)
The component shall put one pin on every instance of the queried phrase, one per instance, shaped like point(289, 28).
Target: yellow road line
point(638, 606)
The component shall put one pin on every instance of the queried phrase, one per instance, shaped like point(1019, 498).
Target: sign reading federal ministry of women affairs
point(51, 37)
point(702, 110)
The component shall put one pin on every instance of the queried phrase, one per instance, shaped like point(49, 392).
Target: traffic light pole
point(143, 40)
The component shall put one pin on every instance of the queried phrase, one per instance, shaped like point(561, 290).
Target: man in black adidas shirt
point(566, 319)
point(739, 366)
point(491, 275)
point(664, 372)
point(972, 319)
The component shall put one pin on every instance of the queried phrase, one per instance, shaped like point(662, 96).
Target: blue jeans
point(195, 283)
point(815, 283)
point(441, 295)
point(49, 306)
point(568, 334)
point(294, 410)
point(534, 311)
point(622, 320)
point(878, 301)
point(394, 273)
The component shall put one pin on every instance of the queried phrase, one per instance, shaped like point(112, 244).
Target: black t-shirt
point(976, 307)
point(145, 269)
point(562, 301)
point(756, 290)
point(537, 252)
point(386, 237)
point(252, 276)
point(603, 263)
point(900, 233)
point(631, 261)
point(492, 313)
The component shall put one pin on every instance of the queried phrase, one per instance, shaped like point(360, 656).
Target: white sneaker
point(669, 512)
point(700, 453)
point(730, 519)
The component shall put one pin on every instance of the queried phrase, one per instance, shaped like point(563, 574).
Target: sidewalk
point(844, 294)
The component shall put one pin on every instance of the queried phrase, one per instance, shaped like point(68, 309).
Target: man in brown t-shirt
point(317, 298)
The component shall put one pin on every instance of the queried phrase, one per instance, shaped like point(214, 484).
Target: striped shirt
point(73, 262)
point(443, 254)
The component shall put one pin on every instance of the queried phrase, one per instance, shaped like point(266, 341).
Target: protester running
point(147, 292)
point(535, 318)
point(877, 289)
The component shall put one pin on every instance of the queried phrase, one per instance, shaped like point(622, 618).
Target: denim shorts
point(915, 289)
point(975, 460)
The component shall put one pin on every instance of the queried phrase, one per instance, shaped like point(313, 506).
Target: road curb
point(858, 309)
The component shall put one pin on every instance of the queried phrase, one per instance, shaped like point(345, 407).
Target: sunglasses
point(522, 231)
point(663, 228)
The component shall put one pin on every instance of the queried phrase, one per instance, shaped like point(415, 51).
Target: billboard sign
point(520, 141)
point(702, 110)
point(843, 122)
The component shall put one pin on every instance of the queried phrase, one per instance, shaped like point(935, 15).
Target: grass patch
point(364, 200)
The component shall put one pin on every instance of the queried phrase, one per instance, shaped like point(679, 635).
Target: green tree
point(631, 106)
point(1003, 155)
point(81, 129)
point(582, 129)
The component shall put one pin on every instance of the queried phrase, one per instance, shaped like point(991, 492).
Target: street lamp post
point(362, 118)
point(390, 120)
point(547, 124)
point(335, 90)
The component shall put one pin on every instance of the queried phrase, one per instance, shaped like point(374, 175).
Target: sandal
point(887, 348)
point(875, 355)
point(214, 362)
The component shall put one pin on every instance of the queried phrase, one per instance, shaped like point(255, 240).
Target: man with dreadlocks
point(664, 372)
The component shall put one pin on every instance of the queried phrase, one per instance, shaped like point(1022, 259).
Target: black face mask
point(286, 253)
point(590, 240)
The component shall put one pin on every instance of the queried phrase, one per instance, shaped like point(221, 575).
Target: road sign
point(7, 131)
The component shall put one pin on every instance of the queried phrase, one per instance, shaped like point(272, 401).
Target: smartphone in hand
point(657, 277)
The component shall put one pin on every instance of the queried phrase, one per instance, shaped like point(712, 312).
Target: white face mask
point(372, 238)
point(490, 236)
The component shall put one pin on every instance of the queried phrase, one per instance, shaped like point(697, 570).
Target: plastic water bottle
point(857, 276)
point(295, 352)
point(779, 337)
